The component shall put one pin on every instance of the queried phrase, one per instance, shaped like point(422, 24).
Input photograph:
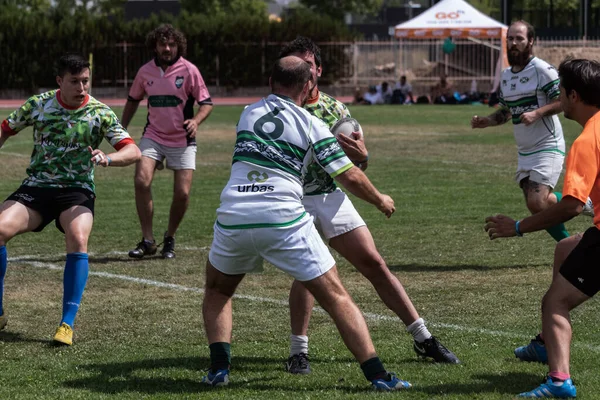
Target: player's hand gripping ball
point(346, 126)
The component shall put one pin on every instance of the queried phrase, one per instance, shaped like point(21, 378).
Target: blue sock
point(558, 232)
point(3, 265)
point(74, 280)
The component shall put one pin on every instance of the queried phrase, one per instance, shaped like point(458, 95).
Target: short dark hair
point(163, 33)
point(290, 75)
point(403, 77)
point(73, 63)
point(582, 76)
point(302, 45)
point(529, 27)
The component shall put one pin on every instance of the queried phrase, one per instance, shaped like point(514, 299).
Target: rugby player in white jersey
point(261, 217)
point(529, 96)
point(342, 226)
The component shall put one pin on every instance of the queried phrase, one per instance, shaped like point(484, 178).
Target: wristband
point(108, 159)
point(363, 161)
point(517, 228)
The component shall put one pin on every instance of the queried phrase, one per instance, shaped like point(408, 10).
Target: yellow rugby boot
point(63, 335)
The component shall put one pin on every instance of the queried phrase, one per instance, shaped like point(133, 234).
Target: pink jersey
point(171, 96)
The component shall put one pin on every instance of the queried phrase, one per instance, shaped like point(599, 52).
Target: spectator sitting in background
point(358, 97)
point(442, 92)
point(372, 96)
point(385, 91)
point(403, 92)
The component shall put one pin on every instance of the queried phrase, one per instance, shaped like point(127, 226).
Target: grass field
point(139, 332)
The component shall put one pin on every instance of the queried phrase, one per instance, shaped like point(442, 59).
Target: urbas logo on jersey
point(179, 82)
point(259, 177)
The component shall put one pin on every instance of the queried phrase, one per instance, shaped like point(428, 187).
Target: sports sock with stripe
point(558, 232)
point(74, 280)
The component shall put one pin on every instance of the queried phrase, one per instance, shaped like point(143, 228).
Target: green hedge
point(31, 42)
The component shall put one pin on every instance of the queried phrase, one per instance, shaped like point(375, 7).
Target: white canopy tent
point(456, 19)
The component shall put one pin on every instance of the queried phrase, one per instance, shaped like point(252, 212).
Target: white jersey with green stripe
point(527, 90)
point(276, 141)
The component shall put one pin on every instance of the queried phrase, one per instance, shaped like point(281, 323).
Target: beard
point(520, 58)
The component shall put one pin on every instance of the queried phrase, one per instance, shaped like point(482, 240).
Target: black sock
point(220, 356)
point(373, 369)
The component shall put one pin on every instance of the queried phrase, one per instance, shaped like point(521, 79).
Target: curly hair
point(302, 45)
point(163, 33)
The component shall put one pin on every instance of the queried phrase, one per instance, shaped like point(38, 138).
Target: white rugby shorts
point(297, 250)
point(334, 213)
point(177, 157)
point(543, 167)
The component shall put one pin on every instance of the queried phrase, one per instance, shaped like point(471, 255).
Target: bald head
point(289, 76)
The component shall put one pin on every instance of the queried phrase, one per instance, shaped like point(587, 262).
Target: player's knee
point(142, 182)
point(536, 204)
point(6, 233)
point(373, 267)
point(181, 196)
point(77, 241)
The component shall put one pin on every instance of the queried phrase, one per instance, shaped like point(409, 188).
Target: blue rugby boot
point(535, 351)
point(390, 384)
point(552, 390)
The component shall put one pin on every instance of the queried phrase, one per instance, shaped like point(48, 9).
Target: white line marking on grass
point(8, 153)
point(369, 316)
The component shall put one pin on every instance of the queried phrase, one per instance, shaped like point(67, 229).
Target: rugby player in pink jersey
point(172, 85)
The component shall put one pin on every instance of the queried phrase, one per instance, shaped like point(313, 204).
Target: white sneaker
point(588, 208)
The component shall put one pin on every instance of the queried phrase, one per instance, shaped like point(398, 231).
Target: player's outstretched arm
point(131, 107)
point(126, 155)
point(359, 185)
point(502, 226)
point(501, 116)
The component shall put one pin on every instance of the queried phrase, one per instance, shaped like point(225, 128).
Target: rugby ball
point(346, 126)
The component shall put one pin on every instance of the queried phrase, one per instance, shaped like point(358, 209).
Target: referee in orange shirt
point(576, 275)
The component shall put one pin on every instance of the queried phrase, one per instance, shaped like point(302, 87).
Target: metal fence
point(345, 64)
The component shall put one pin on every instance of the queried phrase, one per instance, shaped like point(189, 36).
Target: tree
point(336, 9)
point(225, 7)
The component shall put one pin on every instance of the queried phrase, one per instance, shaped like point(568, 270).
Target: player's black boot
point(168, 250)
point(144, 248)
point(432, 348)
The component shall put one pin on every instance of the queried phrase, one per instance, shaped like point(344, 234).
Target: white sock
point(419, 330)
point(298, 344)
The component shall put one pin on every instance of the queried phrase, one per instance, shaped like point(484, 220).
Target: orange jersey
point(582, 179)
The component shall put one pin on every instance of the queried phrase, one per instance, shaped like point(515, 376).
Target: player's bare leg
point(536, 350)
point(333, 297)
point(181, 199)
point(144, 174)
point(218, 322)
point(358, 247)
point(77, 223)
point(539, 197)
point(15, 218)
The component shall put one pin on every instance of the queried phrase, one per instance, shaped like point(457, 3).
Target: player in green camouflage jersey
point(342, 227)
point(60, 134)
point(328, 110)
point(68, 126)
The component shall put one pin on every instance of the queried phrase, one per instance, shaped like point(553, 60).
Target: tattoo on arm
point(500, 117)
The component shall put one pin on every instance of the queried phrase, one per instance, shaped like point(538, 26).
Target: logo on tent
point(450, 15)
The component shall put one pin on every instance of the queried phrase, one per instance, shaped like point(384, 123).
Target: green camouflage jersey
point(329, 110)
point(61, 136)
